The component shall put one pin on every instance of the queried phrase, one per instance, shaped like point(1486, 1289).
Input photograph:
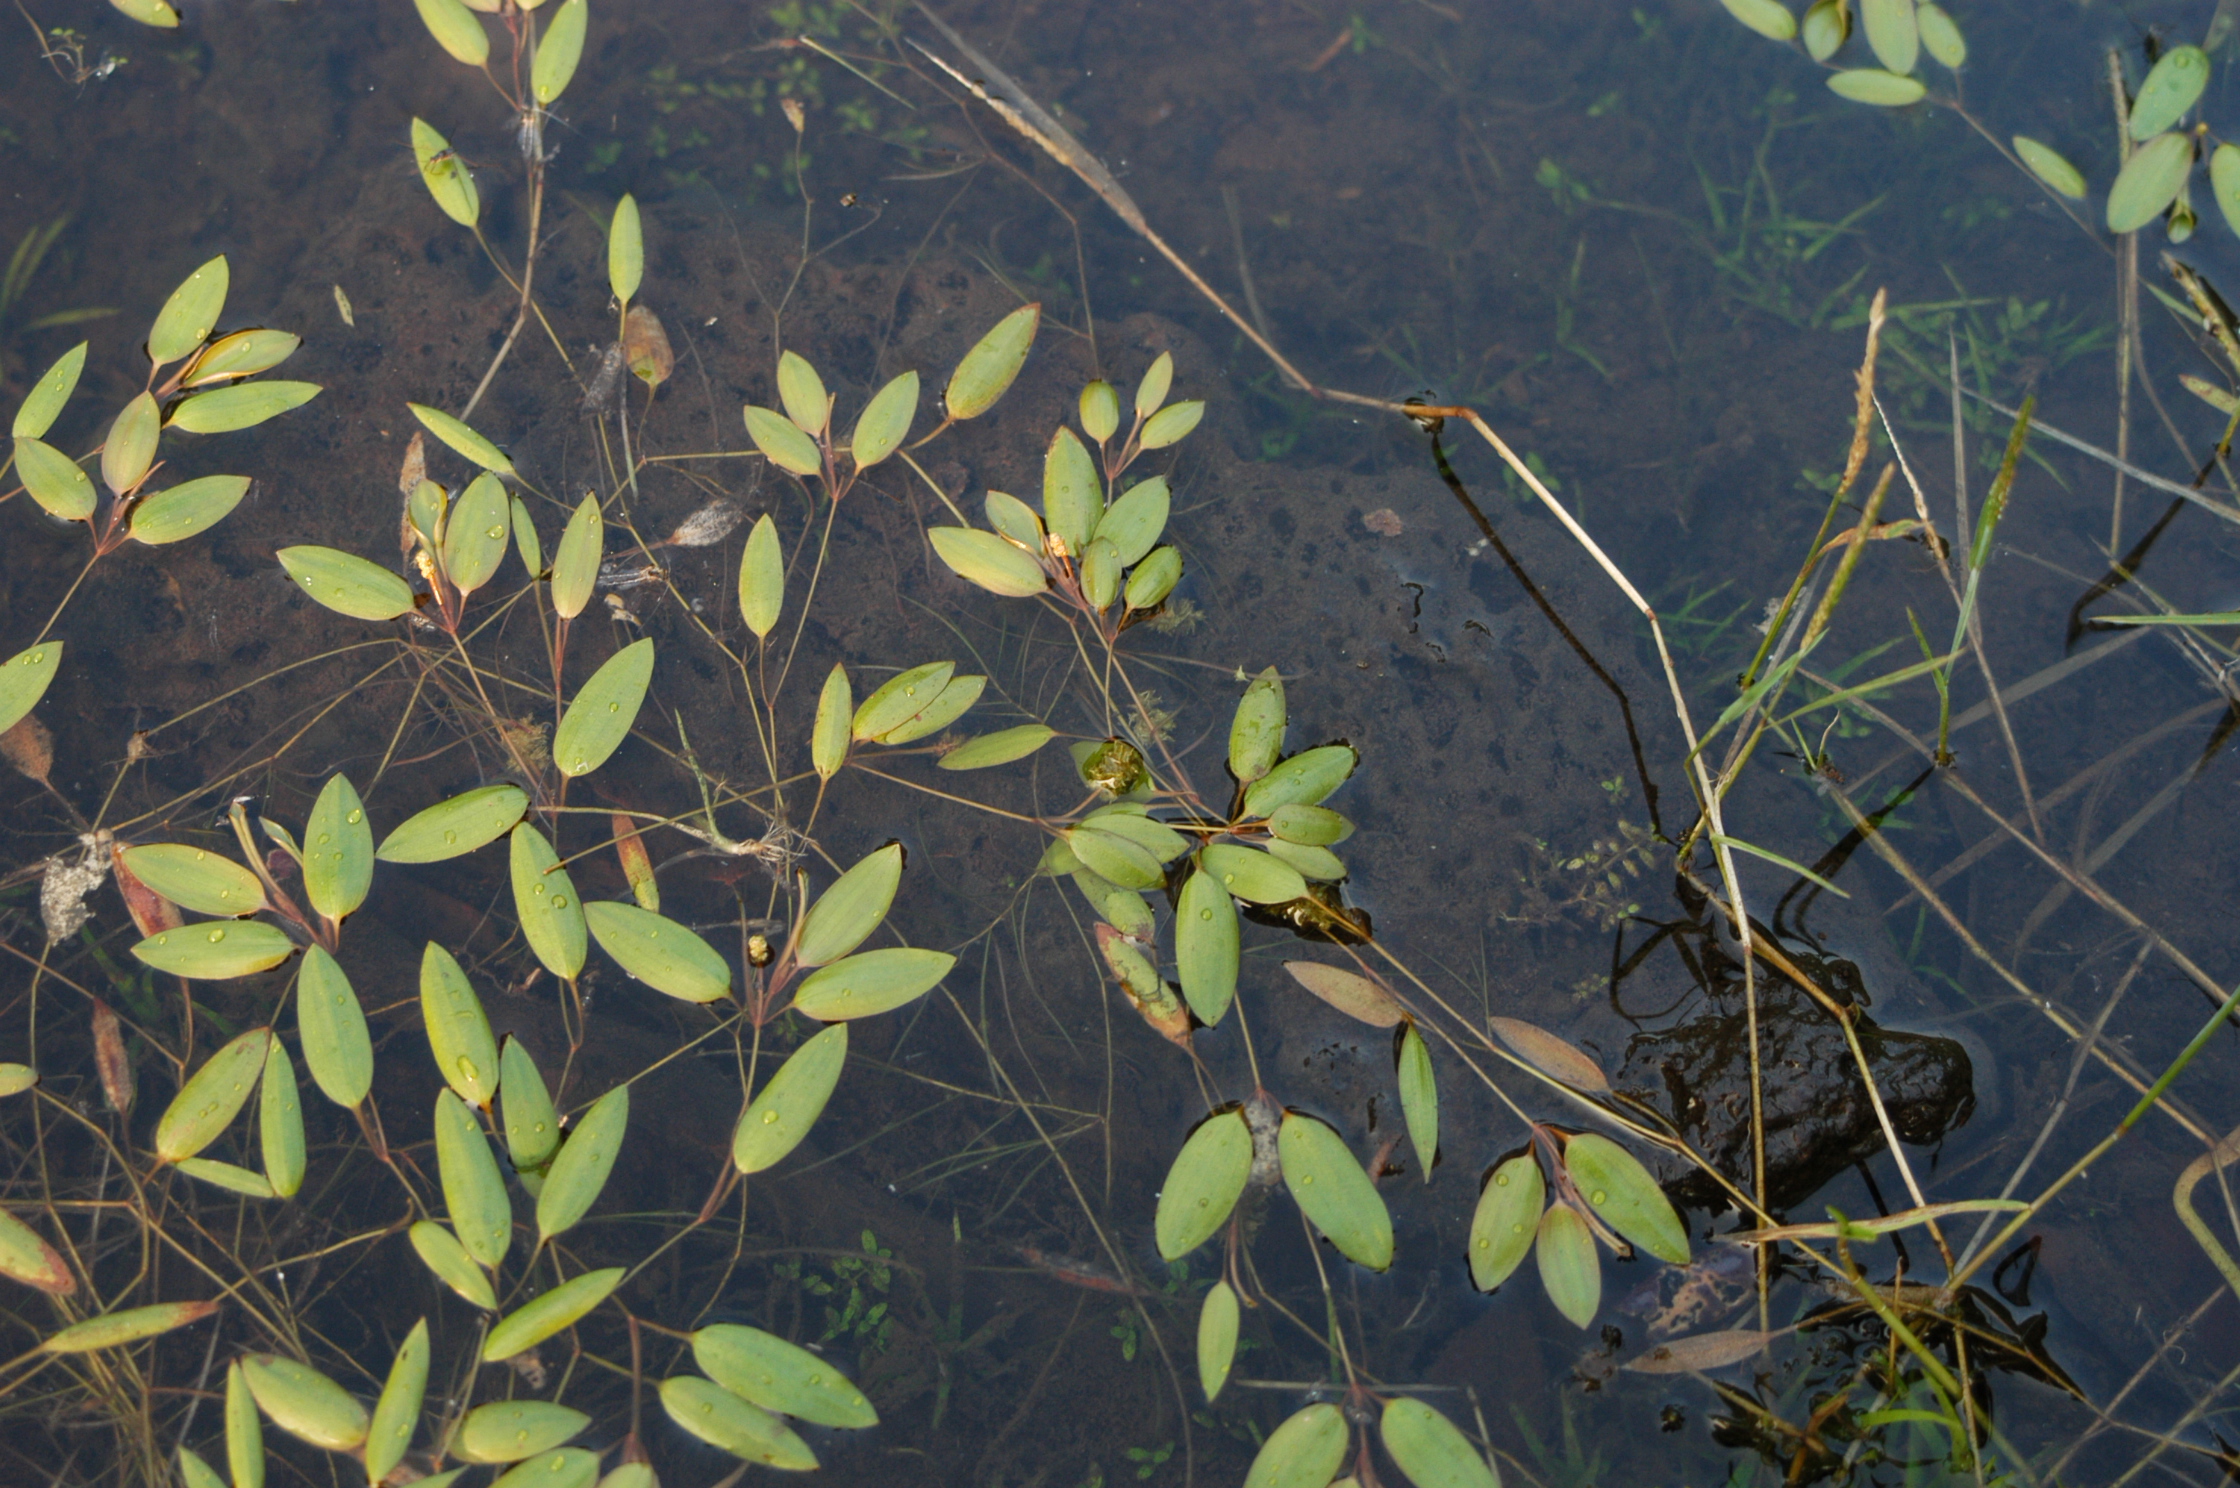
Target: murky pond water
point(1641, 242)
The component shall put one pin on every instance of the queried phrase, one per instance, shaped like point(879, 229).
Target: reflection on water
point(1640, 240)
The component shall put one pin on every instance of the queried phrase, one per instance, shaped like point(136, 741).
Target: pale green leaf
point(453, 828)
point(600, 717)
point(659, 952)
point(186, 509)
point(346, 583)
point(1334, 1192)
point(224, 410)
point(782, 1112)
point(986, 371)
point(1203, 1185)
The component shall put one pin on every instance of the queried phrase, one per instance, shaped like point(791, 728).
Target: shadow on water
point(1642, 244)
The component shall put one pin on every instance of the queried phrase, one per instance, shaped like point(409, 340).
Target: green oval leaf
point(1013, 518)
point(1203, 1185)
point(239, 354)
point(453, 828)
point(15, 1078)
point(534, 1322)
point(332, 1025)
point(1217, 1339)
point(1872, 85)
point(24, 678)
point(1318, 863)
point(1072, 493)
point(1625, 1196)
point(626, 249)
point(780, 1377)
point(545, 899)
point(1256, 732)
point(305, 1403)
point(1121, 908)
point(874, 982)
point(346, 583)
point(337, 850)
point(784, 445)
point(473, 1191)
point(1157, 379)
point(54, 480)
point(216, 950)
point(901, 698)
point(186, 509)
point(448, 181)
point(26, 1257)
point(206, 1105)
point(722, 1419)
point(461, 439)
point(1569, 1268)
point(1304, 1452)
point(1827, 25)
point(885, 421)
point(525, 536)
point(2224, 182)
point(512, 1430)
point(1333, 1192)
point(1252, 875)
point(1127, 819)
point(389, 1435)
point(1100, 410)
point(149, 12)
point(280, 1123)
point(2149, 181)
point(659, 952)
point(131, 445)
point(224, 410)
point(762, 578)
point(458, 1030)
point(532, 1127)
point(1100, 574)
point(573, 1181)
point(187, 317)
point(1430, 1449)
point(474, 538)
point(988, 560)
point(559, 50)
point(605, 707)
point(2172, 88)
point(851, 909)
point(1419, 1098)
point(802, 394)
point(440, 1251)
point(1940, 36)
point(986, 371)
point(569, 1467)
point(829, 738)
point(1305, 779)
point(1891, 33)
point(1133, 523)
point(1129, 864)
point(575, 565)
point(49, 394)
point(780, 1116)
point(999, 748)
point(1766, 17)
point(946, 708)
point(130, 1325)
point(1172, 424)
point(1309, 826)
point(244, 1432)
point(1506, 1220)
point(458, 32)
point(194, 879)
point(1205, 947)
point(229, 1176)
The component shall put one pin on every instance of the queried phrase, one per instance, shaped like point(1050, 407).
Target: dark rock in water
point(1818, 1117)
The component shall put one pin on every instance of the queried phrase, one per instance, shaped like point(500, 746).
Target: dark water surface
point(1611, 230)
